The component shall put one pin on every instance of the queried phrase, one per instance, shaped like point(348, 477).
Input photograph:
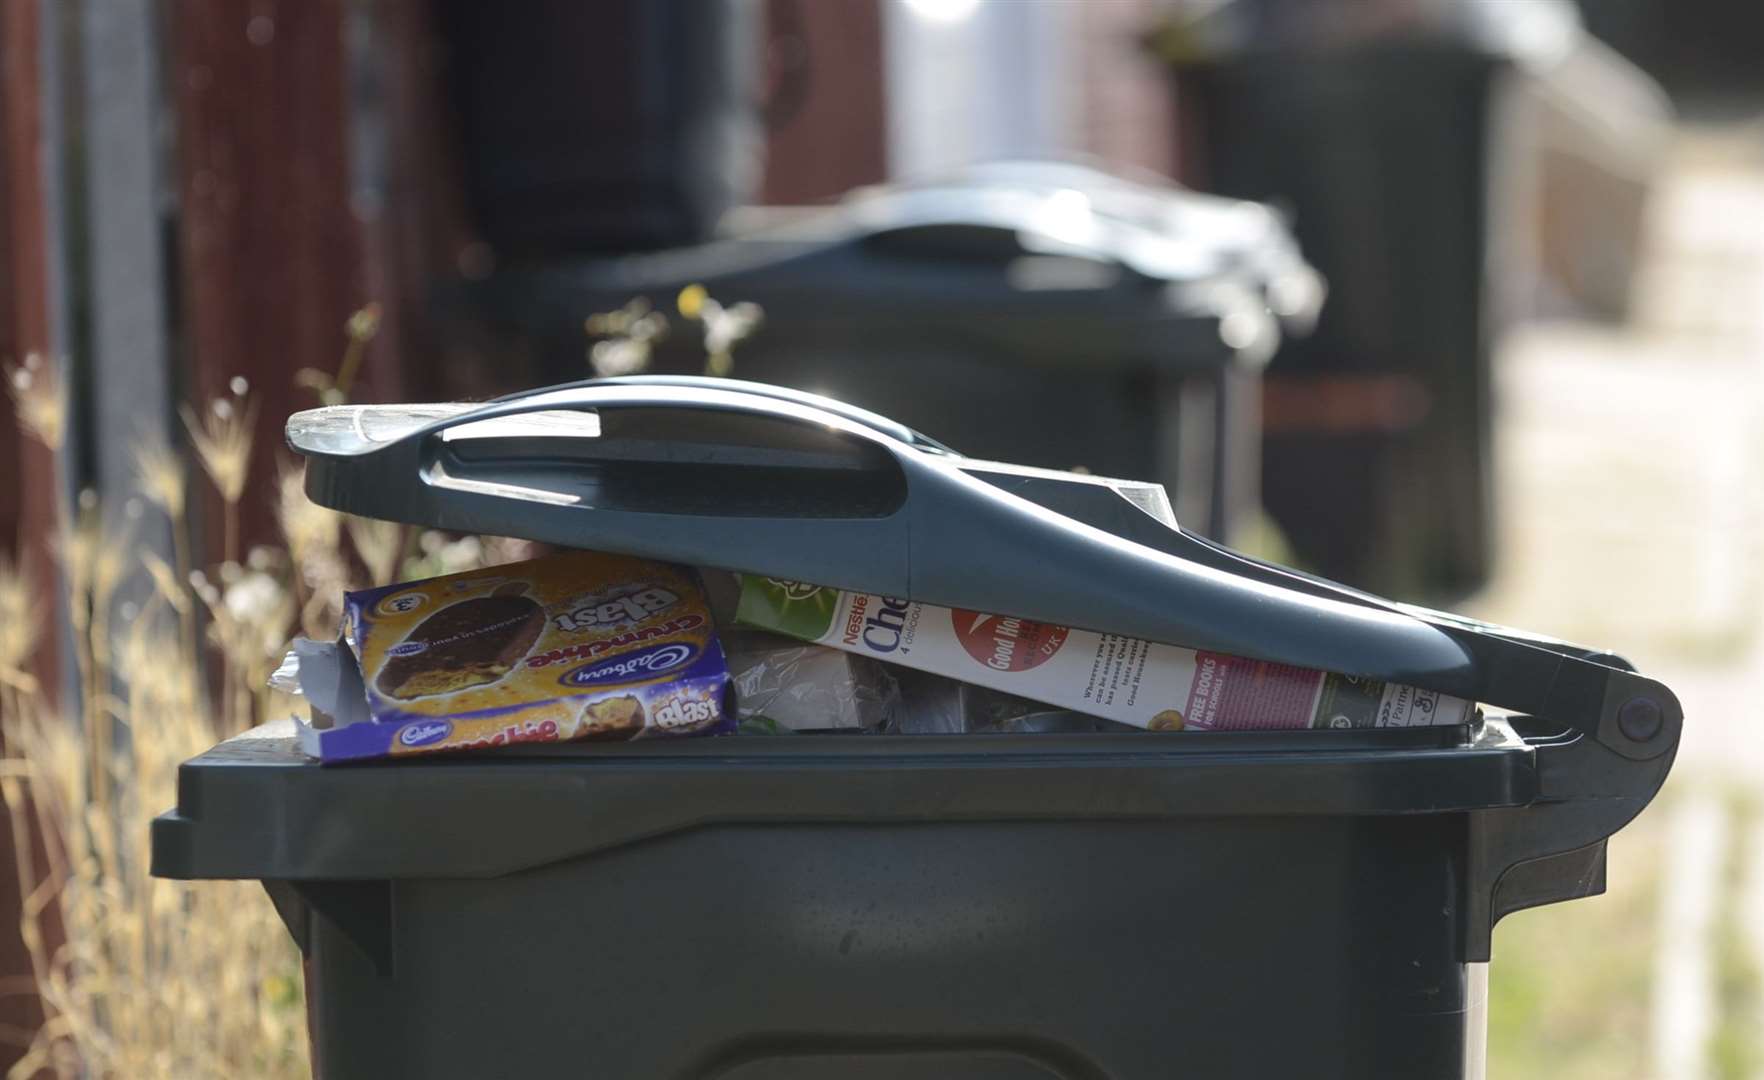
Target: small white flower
point(252, 595)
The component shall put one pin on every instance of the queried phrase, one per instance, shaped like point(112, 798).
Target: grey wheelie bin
point(1252, 904)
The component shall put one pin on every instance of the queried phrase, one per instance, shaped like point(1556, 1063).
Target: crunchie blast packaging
point(575, 646)
point(1142, 683)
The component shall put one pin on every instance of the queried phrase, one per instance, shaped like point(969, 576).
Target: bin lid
point(1159, 228)
point(721, 473)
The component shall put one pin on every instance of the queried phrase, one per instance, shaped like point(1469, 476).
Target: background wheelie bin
point(1050, 313)
point(1440, 164)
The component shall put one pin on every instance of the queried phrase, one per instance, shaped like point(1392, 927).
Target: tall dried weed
point(155, 979)
point(147, 978)
point(139, 977)
point(222, 435)
point(37, 396)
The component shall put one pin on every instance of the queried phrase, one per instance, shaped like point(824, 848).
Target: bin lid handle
point(892, 428)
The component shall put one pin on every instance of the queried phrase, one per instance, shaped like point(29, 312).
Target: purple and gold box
point(574, 646)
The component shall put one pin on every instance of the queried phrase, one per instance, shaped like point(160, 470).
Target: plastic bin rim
point(253, 807)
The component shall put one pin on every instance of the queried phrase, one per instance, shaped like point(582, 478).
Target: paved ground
point(1632, 470)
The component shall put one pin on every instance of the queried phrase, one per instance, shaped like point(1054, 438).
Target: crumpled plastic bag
point(784, 686)
point(938, 705)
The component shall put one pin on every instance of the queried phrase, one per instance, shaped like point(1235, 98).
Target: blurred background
point(1461, 301)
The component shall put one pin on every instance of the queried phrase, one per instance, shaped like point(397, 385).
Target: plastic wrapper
point(938, 705)
point(784, 686)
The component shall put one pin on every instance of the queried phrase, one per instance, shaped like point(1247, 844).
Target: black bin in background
point(1376, 465)
point(1389, 138)
point(1034, 312)
point(608, 126)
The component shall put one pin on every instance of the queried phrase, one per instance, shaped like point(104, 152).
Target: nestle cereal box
point(575, 646)
point(1142, 683)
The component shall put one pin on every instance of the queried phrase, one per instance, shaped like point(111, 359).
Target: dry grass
point(38, 397)
point(629, 336)
point(380, 545)
point(160, 979)
point(624, 341)
point(156, 979)
point(159, 473)
point(138, 977)
point(724, 326)
point(222, 436)
point(335, 388)
point(313, 535)
point(20, 627)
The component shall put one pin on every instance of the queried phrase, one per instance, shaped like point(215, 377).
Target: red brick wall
point(27, 484)
point(837, 139)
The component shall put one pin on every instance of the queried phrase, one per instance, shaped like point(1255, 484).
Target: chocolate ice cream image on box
point(576, 646)
point(465, 644)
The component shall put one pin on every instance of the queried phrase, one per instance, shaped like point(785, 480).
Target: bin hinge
point(1553, 849)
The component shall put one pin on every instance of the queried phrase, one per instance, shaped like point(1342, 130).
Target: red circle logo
point(1006, 644)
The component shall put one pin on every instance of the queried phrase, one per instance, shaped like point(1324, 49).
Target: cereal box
point(1142, 683)
point(575, 646)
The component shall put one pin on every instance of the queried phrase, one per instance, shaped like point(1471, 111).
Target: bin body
point(1237, 947)
point(1105, 906)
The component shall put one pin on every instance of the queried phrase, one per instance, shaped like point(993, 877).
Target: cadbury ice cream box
point(574, 646)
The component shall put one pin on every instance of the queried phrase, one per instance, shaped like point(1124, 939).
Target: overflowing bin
point(1050, 313)
point(1220, 904)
